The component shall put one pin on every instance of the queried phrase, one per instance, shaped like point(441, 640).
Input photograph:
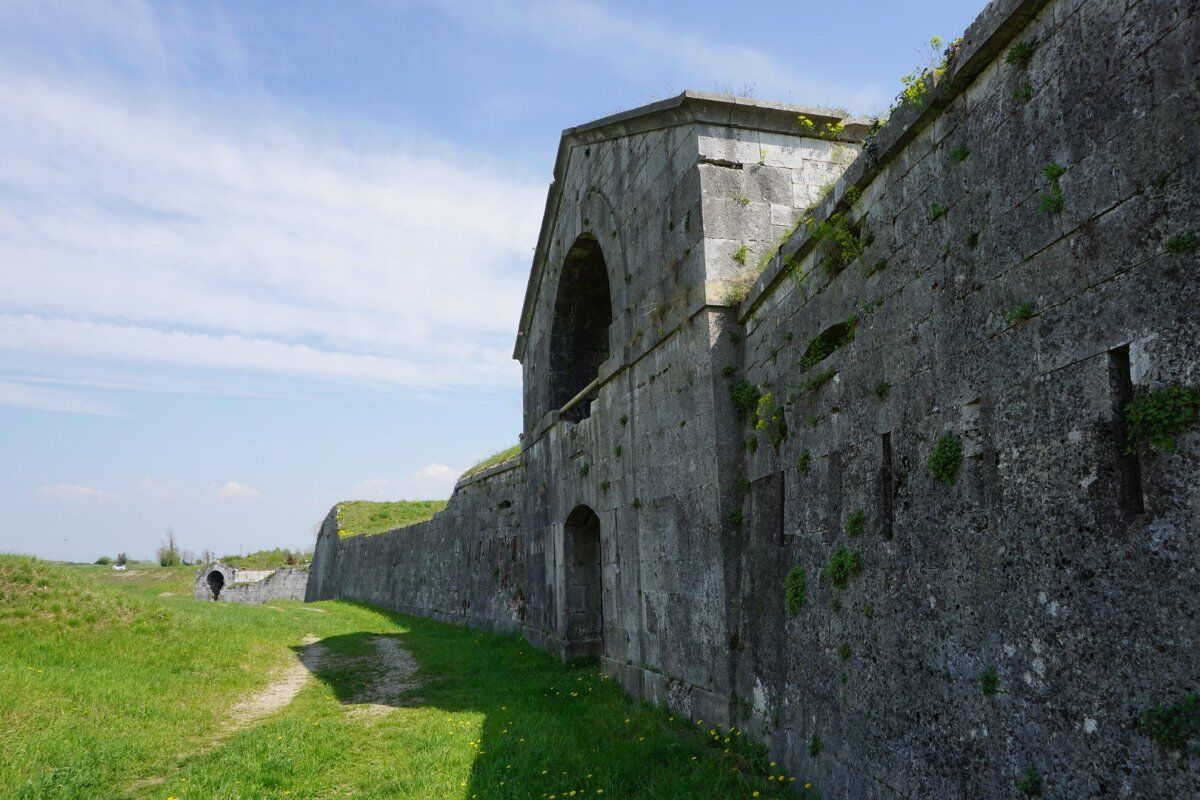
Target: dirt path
point(281, 691)
point(391, 669)
point(393, 673)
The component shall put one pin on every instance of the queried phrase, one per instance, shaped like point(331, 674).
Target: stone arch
point(216, 582)
point(579, 336)
point(583, 584)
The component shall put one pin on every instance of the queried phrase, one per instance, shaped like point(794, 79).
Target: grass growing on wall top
point(114, 691)
point(495, 459)
point(359, 517)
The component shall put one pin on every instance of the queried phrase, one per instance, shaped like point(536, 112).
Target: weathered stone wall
point(466, 565)
point(252, 586)
point(1020, 325)
point(1037, 563)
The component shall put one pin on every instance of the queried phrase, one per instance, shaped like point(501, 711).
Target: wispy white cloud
point(641, 45)
point(68, 493)
point(233, 490)
point(430, 482)
point(145, 225)
point(49, 398)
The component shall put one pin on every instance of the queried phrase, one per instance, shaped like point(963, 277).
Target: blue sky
point(259, 257)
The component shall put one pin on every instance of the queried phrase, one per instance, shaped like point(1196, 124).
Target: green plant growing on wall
point(823, 346)
point(743, 201)
point(805, 124)
point(744, 395)
point(584, 469)
point(605, 485)
point(879, 265)
point(845, 652)
point(989, 681)
point(936, 211)
point(740, 254)
point(959, 153)
point(793, 590)
point(1022, 312)
point(736, 517)
point(1181, 242)
point(728, 371)
point(769, 417)
point(751, 444)
point(916, 84)
point(804, 464)
point(1159, 415)
point(1052, 198)
point(882, 390)
point(815, 746)
point(637, 502)
point(617, 451)
point(839, 242)
point(843, 566)
point(1173, 726)
point(855, 522)
point(945, 459)
point(741, 487)
point(1030, 782)
point(973, 240)
point(1023, 94)
point(1021, 53)
point(818, 381)
point(624, 420)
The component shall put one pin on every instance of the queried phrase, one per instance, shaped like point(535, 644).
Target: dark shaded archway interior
point(584, 589)
point(216, 582)
point(579, 333)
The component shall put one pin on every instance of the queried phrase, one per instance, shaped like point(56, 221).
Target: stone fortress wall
point(1013, 270)
point(228, 584)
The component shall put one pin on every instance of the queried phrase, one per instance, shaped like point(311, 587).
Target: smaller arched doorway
point(216, 582)
point(584, 584)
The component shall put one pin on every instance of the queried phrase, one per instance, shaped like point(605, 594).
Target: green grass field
point(121, 686)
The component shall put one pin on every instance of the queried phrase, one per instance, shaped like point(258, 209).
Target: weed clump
point(1019, 313)
point(1030, 783)
point(815, 746)
point(769, 417)
point(989, 681)
point(946, 458)
point(1173, 726)
point(1021, 53)
point(959, 153)
point(793, 590)
point(855, 523)
point(1181, 242)
point(882, 390)
point(843, 566)
point(1159, 415)
point(745, 396)
point(804, 464)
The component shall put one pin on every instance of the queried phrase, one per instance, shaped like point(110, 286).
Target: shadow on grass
point(548, 730)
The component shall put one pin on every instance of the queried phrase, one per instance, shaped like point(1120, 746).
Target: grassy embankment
point(118, 686)
point(360, 517)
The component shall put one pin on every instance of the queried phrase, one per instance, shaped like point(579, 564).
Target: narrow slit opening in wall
point(887, 489)
point(1120, 380)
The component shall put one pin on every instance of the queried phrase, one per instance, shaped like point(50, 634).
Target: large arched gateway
point(579, 333)
point(584, 584)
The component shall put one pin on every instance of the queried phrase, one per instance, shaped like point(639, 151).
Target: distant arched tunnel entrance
point(579, 332)
point(584, 584)
point(216, 582)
